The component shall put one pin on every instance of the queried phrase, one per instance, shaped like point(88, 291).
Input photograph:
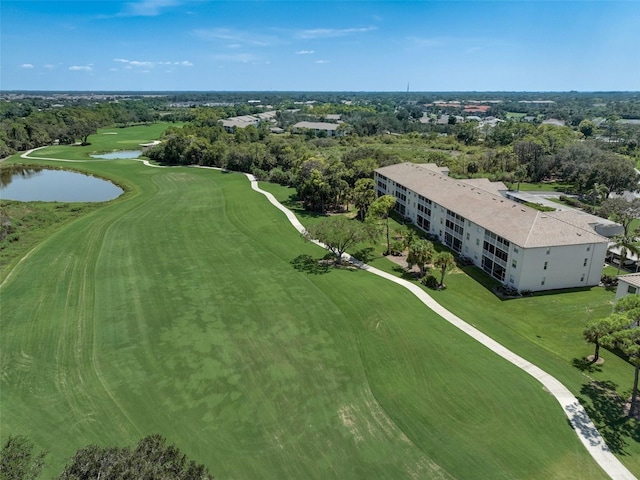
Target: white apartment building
point(522, 247)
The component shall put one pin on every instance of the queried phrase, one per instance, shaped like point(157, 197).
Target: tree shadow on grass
point(365, 255)
point(405, 274)
point(608, 411)
point(585, 365)
point(308, 264)
point(294, 204)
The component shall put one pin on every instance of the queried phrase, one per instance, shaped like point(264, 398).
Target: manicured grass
point(545, 187)
point(176, 309)
point(546, 329)
point(107, 140)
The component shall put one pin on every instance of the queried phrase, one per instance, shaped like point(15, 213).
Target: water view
point(119, 155)
point(34, 184)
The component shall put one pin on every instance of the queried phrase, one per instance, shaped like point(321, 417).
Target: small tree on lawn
point(444, 261)
point(630, 307)
point(628, 341)
point(420, 253)
point(339, 234)
point(596, 330)
point(380, 209)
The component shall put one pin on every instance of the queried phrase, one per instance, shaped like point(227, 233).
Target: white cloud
point(304, 52)
point(236, 37)
point(330, 32)
point(427, 42)
point(26, 65)
point(148, 8)
point(85, 68)
point(148, 64)
point(239, 57)
point(49, 66)
point(322, 61)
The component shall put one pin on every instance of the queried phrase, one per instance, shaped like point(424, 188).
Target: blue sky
point(319, 45)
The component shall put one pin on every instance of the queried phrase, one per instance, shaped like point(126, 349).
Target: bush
point(280, 177)
point(397, 246)
point(430, 281)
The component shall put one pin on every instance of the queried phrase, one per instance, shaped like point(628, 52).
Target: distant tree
point(467, 132)
point(364, 195)
point(381, 209)
point(18, 461)
point(621, 211)
point(420, 253)
point(520, 174)
point(598, 329)
point(444, 261)
point(617, 173)
point(151, 459)
point(339, 234)
point(586, 127)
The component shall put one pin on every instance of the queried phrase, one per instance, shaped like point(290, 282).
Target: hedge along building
point(522, 247)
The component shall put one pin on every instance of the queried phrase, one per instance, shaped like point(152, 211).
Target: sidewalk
point(580, 421)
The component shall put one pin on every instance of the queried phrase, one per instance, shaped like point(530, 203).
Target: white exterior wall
point(565, 267)
point(525, 266)
point(625, 289)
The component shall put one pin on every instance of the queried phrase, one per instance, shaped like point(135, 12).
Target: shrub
point(430, 281)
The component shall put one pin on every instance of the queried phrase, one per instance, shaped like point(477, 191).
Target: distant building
point(628, 285)
point(521, 247)
point(554, 121)
point(330, 129)
point(243, 121)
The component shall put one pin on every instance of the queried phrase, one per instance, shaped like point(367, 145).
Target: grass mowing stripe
point(204, 332)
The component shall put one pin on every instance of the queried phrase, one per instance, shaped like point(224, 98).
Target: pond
point(39, 184)
point(119, 155)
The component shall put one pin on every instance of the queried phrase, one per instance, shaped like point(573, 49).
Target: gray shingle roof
point(481, 203)
point(631, 279)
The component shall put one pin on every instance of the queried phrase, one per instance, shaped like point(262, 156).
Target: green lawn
point(176, 309)
point(546, 329)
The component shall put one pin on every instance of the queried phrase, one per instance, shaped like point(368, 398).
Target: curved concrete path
point(580, 421)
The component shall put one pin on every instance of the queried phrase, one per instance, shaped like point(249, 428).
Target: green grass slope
point(177, 310)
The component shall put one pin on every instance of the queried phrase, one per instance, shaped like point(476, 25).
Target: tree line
point(151, 459)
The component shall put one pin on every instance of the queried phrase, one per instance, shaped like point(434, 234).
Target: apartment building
point(522, 247)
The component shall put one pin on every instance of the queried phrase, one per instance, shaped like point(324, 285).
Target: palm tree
point(420, 252)
point(444, 261)
point(627, 245)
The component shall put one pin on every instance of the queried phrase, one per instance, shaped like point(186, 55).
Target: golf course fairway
point(176, 309)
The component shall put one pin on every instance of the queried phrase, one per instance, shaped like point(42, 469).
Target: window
point(468, 236)
point(514, 264)
point(477, 241)
point(543, 280)
point(582, 277)
point(632, 290)
point(588, 248)
point(545, 265)
point(585, 262)
point(516, 250)
point(510, 278)
point(548, 251)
